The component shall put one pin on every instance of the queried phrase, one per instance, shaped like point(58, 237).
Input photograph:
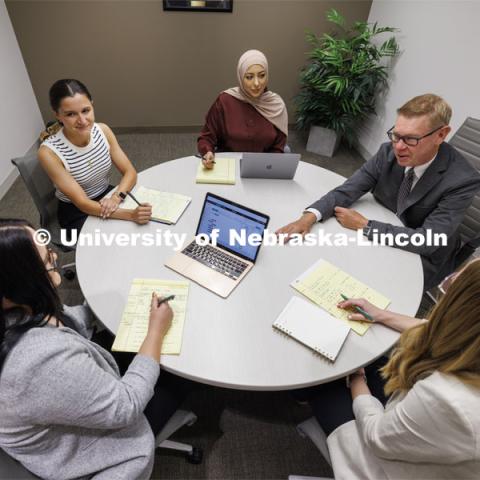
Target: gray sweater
point(66, 413)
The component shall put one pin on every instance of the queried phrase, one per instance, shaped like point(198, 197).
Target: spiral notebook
point(312, 326)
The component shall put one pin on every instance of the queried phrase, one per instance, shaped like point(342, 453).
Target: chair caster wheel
point(69, 274)
point(196, 456)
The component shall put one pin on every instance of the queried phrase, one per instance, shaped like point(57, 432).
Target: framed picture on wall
point(198, 5)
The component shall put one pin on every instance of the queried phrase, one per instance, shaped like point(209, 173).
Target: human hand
point(160, 317)
point(109, 205)
point(208, 160)
point(142, 214)
point(357, 377)
point(302, 226)
point(349, 218)
point(375, 313)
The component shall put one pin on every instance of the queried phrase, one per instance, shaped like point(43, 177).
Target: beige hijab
point(269, 104)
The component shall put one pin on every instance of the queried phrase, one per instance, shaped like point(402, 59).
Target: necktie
point(404, 190)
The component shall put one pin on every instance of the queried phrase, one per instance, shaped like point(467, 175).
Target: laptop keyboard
point(216, 260)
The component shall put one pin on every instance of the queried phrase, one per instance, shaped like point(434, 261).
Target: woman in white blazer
point(430, 425)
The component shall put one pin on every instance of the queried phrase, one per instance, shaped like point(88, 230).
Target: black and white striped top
point(89, 165)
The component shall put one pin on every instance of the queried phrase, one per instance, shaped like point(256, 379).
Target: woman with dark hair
point(247, 118)
point(430, 425)
point(77, 155)
point(65, 411)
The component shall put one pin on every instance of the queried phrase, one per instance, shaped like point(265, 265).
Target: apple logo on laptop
point(269, 167)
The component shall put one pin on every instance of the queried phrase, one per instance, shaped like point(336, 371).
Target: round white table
point(231, 342)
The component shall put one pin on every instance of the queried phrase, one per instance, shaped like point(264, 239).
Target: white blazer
point(432, 432)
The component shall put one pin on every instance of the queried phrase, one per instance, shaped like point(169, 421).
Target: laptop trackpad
point(201, 274)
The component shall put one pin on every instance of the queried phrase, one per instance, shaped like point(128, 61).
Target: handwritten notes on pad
point(222, 172)
point(324, 283)
point(313, 327)
point(166, 207)
point(134, 324)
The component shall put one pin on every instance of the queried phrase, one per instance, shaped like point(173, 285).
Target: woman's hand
point(376, 313)
point(159, 322)
point(160, 317)
point(109, 205)
point(142, 214)
point(208, 160)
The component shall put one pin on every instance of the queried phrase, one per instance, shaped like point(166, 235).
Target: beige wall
point(147, 67)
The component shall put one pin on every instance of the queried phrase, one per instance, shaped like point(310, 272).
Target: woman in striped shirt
point(77, 155)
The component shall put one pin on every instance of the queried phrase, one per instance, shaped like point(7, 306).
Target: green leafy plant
point(343, 76)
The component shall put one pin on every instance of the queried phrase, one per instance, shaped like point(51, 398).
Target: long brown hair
point(449, 342)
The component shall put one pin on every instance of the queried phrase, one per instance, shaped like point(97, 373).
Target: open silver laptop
point(222, 267)
point(269, 165)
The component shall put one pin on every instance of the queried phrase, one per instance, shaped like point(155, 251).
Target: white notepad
point(313, 327)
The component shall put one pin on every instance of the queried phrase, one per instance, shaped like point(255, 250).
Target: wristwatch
point(347, 379)
point(121, 195)
point(367, 230)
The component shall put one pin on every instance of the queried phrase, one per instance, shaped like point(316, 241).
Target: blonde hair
point(437, 109)
point(449, 342)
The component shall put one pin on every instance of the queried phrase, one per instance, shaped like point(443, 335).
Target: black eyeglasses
point(407, 140)
point(51, 260)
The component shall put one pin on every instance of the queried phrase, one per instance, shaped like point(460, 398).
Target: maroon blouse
point(235, 126)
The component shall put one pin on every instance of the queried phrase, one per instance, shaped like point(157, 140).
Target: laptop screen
point(225, 215)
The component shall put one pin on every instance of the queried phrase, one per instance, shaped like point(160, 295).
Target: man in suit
point(424, 180)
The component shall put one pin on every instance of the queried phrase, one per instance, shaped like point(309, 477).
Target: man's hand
point(349, 218)
point(301, 226)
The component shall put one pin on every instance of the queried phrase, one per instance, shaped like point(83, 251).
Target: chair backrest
point(467, 141)
point(39, 185)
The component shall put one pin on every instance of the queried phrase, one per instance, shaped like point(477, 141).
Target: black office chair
point(467, 141)
point(42, 191)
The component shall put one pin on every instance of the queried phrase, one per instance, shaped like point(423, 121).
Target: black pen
point(130, 194)
point(201, 157)
point(165, 222)
point(166, 299)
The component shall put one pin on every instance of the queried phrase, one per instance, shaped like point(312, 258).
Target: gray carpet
point(245, 435)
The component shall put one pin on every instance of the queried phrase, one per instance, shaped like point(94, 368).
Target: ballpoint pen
point(359, 309)
point(165, 222)
point(130, 194)
point(166, 299)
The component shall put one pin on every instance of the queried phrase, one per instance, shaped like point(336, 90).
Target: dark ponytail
point(25, 282)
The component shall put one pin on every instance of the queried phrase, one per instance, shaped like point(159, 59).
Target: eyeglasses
point(447, 282)
point(408, 140)
point(51, 259)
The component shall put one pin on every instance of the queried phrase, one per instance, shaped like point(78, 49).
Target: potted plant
point(340, 82)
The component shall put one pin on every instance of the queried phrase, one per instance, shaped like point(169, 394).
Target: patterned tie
point(404, 190)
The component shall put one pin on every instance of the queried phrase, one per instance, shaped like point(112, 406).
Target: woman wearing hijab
point(247, 118)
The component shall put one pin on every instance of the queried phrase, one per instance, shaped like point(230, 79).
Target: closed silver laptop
point(269, 165)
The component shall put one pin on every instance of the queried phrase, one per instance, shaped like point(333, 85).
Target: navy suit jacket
point(438, 202)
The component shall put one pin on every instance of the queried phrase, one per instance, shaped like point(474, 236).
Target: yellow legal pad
point(324, 283)
point(134, 324)
point(222, 172)
point(166, 206)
